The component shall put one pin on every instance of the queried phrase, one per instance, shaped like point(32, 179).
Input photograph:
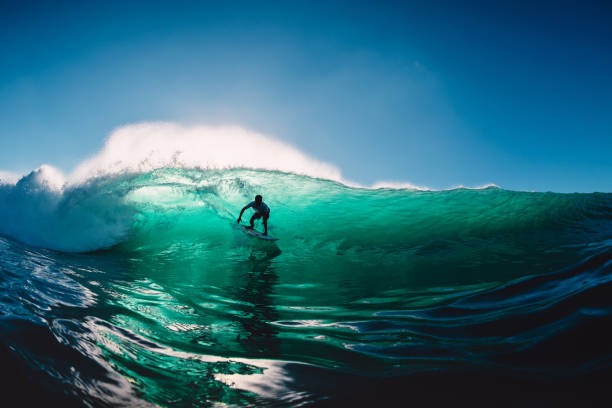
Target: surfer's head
point(258, 199)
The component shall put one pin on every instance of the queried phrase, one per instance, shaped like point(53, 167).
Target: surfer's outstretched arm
point(240, 216)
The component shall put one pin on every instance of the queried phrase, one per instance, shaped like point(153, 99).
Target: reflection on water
point(200, 324)
point(183, 336)
point(255, 279)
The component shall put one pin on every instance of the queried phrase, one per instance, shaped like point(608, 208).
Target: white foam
point(45, 177)
point(398, 185)
point(481, 187)
point(9, 177)
point(147, 146)
point(40, 210)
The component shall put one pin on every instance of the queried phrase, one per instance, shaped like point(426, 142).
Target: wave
point(86, 210)
point(171, 302)
point(153, 174)
point(107, 210)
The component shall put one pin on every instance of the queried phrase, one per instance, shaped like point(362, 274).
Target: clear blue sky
point(435, 93)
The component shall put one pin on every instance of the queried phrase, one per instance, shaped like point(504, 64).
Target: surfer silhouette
point(261, 211)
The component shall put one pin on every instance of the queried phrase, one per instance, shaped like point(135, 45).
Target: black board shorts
point(258, 215)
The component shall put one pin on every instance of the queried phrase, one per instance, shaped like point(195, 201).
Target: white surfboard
point(257, 234)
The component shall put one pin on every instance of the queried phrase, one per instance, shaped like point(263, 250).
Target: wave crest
point(145, 147)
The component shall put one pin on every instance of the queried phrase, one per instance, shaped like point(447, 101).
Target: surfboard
point(257, 234)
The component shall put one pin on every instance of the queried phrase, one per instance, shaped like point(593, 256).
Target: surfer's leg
point(265, 223)
point(253, 218)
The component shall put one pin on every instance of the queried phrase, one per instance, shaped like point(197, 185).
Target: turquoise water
point(139, 288)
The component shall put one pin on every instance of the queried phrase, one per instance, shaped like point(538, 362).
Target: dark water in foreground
point(371, 297)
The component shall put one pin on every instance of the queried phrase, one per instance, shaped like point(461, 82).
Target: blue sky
point(437, 94)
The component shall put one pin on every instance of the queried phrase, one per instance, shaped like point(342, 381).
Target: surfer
point(261, 211)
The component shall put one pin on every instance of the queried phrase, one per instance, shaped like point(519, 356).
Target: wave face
point(137, 288)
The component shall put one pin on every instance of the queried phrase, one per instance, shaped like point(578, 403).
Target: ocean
point(137, 289)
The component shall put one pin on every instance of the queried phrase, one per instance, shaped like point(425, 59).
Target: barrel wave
point(137, 289)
